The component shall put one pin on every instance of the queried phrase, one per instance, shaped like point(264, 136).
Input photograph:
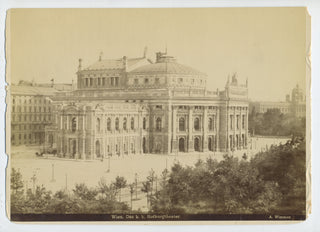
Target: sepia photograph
point(158, 115)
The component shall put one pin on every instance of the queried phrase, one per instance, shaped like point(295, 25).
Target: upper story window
point(132, 123)
point(136, 81)
point(211, 124)
point(238, 121)
point(99, 81)
point(91, 81)
point(117, 81)
point(146, 81)
point(197, 124)
point(112, 81)
point(117, 124)
point(159, 107)
point(74, 124)
point(108, 124)
point(182, 124)
point(158, 124)
point(231, 122)
point(125, 123)
point(157, 81)
point(13, 101)
point(98, 124)
point(103, 81)
point(243, 121)
point(180, 80)
point(144, 124)
point(87, 82)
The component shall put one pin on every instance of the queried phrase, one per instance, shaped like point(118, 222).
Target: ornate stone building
point(31, 110)
point(133, 106)
point(294, 105)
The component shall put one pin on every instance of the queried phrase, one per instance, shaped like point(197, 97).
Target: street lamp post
point(52, 176)
point(108, 170)
point(136, 181)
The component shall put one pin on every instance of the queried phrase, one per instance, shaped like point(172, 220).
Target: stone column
point(190, 130)
point(174, 129)
point(83, 153)
point(170, 132)
point(217, 129)
point(205, 130)
point(246, 129)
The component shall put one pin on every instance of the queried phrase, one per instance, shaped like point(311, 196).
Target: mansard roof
point(114, 63)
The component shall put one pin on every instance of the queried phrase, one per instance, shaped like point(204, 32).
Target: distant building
point(31, 111)
point(131, 105)
point(296, 105)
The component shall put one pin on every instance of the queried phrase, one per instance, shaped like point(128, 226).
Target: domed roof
point(166, 65)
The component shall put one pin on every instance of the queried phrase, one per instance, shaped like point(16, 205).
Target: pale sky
point(265, 45)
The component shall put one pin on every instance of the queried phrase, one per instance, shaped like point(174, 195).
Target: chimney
point(80, 65)
point(287, 98)
point(145, 52)
point(158, 56)
point(125, 63)
point(100, 56)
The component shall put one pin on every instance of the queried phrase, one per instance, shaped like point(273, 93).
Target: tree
point(16, 187)
point(119, 184)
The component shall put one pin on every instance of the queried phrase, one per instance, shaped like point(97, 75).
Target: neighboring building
point(295, 106)
point(130, 106)
point(31, 111)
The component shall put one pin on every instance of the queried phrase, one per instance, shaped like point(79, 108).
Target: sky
point(267, 46)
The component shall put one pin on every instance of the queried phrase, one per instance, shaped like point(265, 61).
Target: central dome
point(166, 65)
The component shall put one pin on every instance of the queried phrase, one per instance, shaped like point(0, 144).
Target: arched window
point(132, 123)
point(74, 124)
point(144, 123)
point(117, 124)
point(158, 124)
point(210, 124)
point(197, 124)
point(98, 124)
point(182, 124)
point(109, 124)
point(124, 123)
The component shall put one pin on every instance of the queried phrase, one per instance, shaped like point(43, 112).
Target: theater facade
point(133, 105)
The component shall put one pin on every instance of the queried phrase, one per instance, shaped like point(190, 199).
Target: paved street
point(56, 173)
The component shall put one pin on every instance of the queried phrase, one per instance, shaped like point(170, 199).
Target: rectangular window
point(238, 121)
point(103, 81)
point(146, 81)
point(136, 81)
point(117, 81)
point(99, 81)
point(157, 81)
point(231, 122)
point(91, 81)
point(243, 121)
point(87, 82)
